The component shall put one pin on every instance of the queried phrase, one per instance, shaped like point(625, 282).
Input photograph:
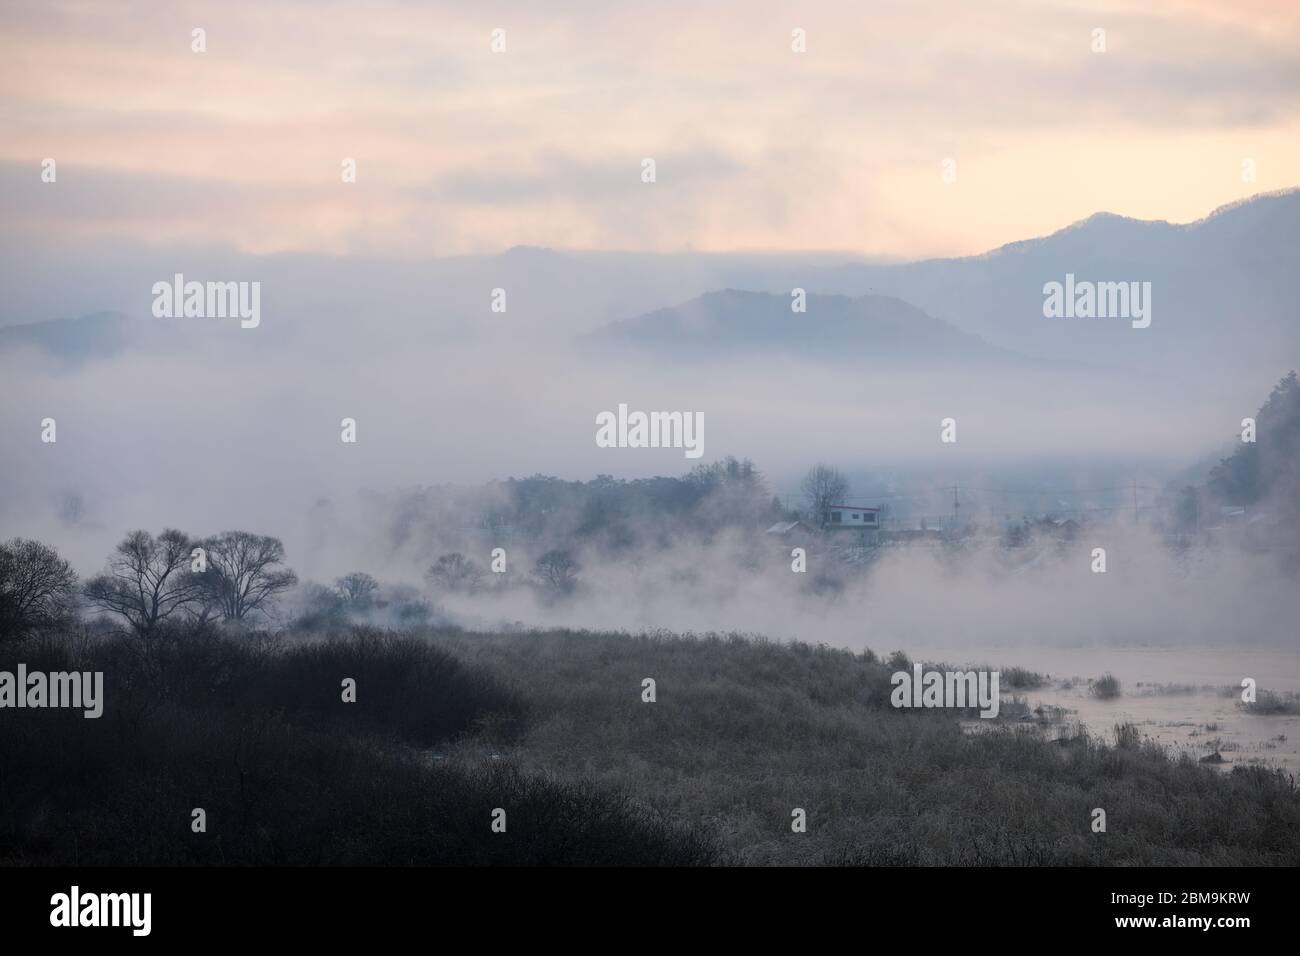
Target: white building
point(851, 517)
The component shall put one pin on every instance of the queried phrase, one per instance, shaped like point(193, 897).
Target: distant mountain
point(1224, 297)
point(731, 323)
point(1225, 289)
point(99, 335)
point(105, 335)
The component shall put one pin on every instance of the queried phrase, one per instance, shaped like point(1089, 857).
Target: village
point(855, 531)
point(852, 530)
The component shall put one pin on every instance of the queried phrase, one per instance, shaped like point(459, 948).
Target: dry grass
point(744, 731)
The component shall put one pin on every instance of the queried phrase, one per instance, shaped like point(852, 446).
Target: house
point(838, 518)
point(865, 521)
point(851, 518)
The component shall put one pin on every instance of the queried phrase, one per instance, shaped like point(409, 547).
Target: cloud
point(574, 178)
point(462, 150)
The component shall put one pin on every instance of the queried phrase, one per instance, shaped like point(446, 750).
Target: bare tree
point(248, 571)
point(357, 589)
point(455, 572)
point(148, 580)
point(822, 487)
point(558, 571)
point(35, 587)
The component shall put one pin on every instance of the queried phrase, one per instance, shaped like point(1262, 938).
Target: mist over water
point(724, 434)
point(228, 432)
point(201, 425)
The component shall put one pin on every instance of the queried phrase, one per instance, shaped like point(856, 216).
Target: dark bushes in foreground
point(406, 689)
point(275, 794)
point(256, 735)
point(742, 731)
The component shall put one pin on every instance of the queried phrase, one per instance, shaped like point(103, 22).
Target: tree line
point(149, 580)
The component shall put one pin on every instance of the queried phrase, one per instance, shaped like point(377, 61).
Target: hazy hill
point(862, 330)
point(100, 334)
point(1224, 289)
point(105, 335)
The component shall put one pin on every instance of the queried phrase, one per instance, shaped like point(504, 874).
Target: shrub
point(898, 661)
point(1127, 736)
point(406, 688)
point(1269, 703)
point(1105, 687)
point(1021, 678)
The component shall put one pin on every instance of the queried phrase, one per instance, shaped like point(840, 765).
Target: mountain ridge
point(743, 322)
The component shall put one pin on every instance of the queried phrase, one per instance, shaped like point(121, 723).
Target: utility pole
point(956, 509)
point(1135, 501)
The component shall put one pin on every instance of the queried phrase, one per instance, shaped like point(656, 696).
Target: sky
point(460, 149)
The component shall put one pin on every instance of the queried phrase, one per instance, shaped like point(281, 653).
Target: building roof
point(853, 507)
